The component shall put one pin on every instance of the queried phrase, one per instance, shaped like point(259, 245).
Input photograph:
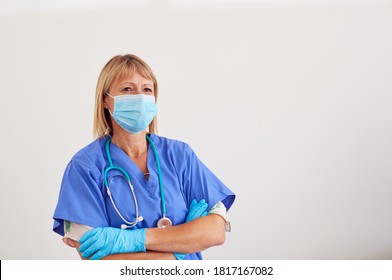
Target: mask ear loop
point(109, 108)
point(109, 95)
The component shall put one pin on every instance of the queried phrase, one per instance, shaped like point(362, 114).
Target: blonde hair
point(117, 68)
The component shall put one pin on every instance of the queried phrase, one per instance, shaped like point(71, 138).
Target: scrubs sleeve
point(200, 182)
point(81, 199)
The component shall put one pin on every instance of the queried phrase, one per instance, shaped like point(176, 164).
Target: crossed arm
point(191, 237)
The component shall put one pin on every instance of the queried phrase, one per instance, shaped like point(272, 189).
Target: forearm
point(149, 255)
point(191, 237)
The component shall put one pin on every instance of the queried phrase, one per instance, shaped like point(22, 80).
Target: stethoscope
point(162, 222)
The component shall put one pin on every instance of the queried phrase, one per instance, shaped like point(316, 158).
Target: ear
point(105, 102)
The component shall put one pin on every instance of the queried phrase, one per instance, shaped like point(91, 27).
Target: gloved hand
point(100, 242)
point(196, 210)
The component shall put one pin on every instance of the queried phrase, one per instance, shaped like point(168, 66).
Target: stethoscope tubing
point(126, 175)
point(131, 224)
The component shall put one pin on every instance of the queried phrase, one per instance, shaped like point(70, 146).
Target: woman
point(132, 194)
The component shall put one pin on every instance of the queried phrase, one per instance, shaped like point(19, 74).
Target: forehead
point(134, 78)
point(133, 75)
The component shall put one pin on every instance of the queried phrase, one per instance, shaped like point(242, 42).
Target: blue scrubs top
point(83, 198)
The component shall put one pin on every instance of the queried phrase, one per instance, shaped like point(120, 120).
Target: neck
point(134, 145)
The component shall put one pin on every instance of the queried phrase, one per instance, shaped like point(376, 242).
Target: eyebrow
point(130, 83)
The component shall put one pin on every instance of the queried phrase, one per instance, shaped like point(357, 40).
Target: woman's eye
point(127, 89)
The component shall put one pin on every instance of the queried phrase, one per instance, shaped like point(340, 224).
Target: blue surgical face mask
point(134, 112)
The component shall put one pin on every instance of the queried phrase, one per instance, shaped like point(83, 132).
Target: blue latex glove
point(196, 210)
point(100, 242)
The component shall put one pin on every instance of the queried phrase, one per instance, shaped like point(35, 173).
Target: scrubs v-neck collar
point(133, 169)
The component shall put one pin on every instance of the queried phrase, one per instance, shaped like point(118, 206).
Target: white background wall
point(288, 102)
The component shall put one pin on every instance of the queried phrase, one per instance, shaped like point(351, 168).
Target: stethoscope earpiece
point(125, 226)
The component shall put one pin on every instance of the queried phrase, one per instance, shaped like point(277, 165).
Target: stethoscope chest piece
point(164, 222)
